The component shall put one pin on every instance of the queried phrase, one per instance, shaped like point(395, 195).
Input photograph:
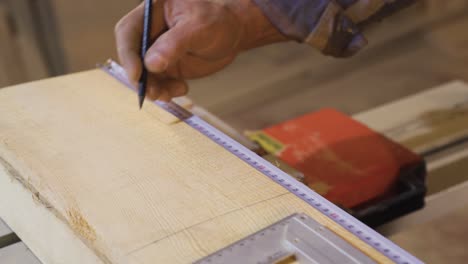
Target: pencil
point(145, 44)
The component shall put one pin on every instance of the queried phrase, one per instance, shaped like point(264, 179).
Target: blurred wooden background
point(41, 38)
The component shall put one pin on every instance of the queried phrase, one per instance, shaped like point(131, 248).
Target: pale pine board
point(133, 187)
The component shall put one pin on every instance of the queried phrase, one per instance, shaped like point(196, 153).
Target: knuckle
point(152, 92)
point(120, 25)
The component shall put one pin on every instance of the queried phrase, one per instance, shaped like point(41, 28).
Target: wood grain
point(128, 184)
point(51, 239)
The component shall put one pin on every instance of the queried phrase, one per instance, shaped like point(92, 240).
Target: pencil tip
point(141, 99)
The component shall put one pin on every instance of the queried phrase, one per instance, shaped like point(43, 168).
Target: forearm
point(333, 27)
point(258, 29)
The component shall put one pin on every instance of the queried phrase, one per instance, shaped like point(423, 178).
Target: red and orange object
point(341, 159)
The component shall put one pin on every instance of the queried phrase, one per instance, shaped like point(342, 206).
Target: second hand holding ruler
point(354, 226)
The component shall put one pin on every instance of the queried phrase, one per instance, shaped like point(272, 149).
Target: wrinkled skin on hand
point(192, 39)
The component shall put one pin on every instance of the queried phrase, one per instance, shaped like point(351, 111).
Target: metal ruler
point(297, 237)
point(362, 231)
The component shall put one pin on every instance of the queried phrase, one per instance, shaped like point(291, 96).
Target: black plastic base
point(408, 196)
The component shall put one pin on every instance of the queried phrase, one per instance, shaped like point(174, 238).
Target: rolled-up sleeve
point(331, 26)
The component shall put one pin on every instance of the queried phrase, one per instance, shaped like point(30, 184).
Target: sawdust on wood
point(80, 225)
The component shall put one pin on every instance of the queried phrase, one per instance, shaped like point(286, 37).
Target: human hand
point(192, 39)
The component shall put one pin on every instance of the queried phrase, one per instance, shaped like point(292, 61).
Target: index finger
point(128, 33)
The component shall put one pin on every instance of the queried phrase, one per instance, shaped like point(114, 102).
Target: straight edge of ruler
point(282, 229)
point(245, 241)
point(339, 216)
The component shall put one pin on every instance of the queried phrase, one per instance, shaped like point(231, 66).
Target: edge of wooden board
point(399, 112)
point(4, 229)
point(54, 241)
point(62, 245)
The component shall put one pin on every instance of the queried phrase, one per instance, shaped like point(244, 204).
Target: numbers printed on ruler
point(371, 237)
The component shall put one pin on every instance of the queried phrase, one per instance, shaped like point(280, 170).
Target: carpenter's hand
point(192, 38)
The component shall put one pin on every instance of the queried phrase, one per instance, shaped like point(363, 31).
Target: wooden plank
point(48, 237)
point(425, 120)
point(134, 188)
point(17, 253)
point(443, 240)
point(437, 205)
point(448, 170)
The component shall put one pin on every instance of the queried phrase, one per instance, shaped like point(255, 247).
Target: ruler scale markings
point(298, 235)
point(356, 227)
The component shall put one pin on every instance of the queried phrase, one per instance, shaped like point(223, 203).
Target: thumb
point(169, 48)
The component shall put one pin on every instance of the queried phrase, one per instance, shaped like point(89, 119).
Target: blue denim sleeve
point(331, 26)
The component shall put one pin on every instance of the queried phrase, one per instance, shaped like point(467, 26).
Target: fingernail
point(156, 63)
